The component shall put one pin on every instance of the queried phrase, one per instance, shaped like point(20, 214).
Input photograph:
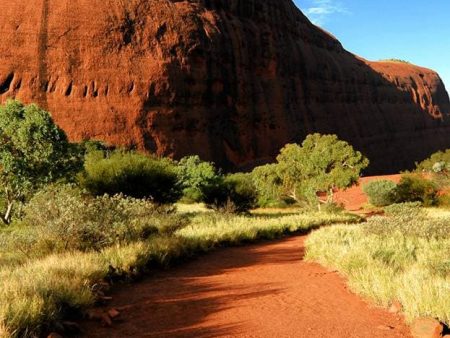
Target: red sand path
point(263, 290)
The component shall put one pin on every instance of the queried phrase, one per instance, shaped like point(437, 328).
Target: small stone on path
point(396, 307)
point(426, 328)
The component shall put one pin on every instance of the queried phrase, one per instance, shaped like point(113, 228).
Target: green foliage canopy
point(132, 174)
point(321, 164)
point(33, 151)
point(234, 193)
point(415, 188)
point(195, 175)
point(438, 162)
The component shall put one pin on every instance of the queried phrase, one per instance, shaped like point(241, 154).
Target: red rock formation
point(231, 80)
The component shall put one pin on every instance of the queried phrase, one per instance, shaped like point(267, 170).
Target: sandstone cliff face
point(230, 80)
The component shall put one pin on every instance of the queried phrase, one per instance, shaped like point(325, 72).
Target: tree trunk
point(7, 217)
point(331, 195)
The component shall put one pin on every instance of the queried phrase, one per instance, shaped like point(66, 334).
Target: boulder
point(426, 328)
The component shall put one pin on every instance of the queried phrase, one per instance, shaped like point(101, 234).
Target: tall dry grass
point(34, 295)
point(396, 258)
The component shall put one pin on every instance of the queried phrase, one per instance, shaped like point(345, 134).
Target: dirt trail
point(263, 290)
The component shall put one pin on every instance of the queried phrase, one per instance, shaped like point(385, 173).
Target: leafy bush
point(268, 184)
point(234, 193)
point(66, 219)
point(415, 188)
point(195, 176)
point(34, 151)
point(132, 174)
point(437, 168)
point(242, 191)
point(380, 193)
point(435, 163)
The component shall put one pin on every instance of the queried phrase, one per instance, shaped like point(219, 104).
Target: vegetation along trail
point(263, 290)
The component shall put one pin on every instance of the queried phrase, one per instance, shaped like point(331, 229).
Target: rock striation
point(230, 80)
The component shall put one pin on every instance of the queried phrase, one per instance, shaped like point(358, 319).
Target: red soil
point(263, 290)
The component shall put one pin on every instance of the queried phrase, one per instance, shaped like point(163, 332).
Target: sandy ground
point(263, 290)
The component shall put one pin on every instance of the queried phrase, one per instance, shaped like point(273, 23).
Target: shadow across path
point(263, 290)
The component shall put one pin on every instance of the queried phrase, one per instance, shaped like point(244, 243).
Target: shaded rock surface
point(230, 80)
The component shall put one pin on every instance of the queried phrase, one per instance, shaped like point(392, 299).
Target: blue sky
point(414, 30)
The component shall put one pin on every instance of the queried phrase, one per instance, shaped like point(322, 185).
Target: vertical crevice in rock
point(68, 91)
point(6, 84)
point(42, 54)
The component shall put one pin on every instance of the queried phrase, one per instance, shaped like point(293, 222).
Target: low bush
point(242, 191)
point(380, 193)
point(234, 193)
point(132, 174)
point(415, 188)
point(62, 218)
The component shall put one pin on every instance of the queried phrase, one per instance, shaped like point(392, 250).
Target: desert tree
point(34, 151)
point(321, 164)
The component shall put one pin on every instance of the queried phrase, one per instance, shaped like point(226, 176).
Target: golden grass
point(414, 271)
point(277, 211)
point(438, 213)
point(194, 208)
point(235, 229)
point(33, 295)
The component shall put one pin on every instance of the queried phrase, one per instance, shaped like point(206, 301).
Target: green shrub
point(415, 188)
point(234, 193)
point(63, 218)
point(34, 151)
point(132, 174)
point(435, 163)
point(380, 193)
point(195, 176)
point(438, 168)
